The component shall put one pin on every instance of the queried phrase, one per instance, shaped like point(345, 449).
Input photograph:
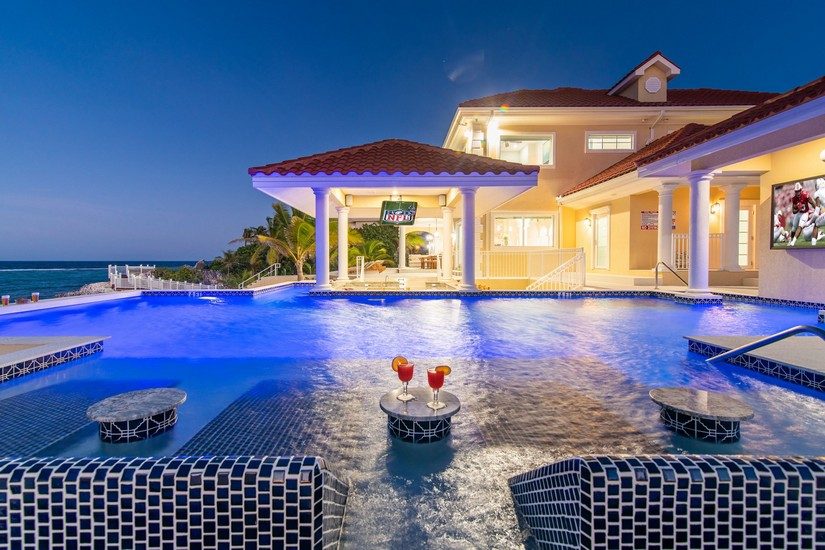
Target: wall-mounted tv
point(398, 212)
point(798, 209)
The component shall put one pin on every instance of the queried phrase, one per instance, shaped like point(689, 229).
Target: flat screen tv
point(798, 209)
point(398, 212)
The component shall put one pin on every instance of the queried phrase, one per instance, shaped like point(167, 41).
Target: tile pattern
point(171, 502)
point(717, 431)
point(137, 430)
point(769, 301)
point(765, 366)
point(32, 421)
point(37, 364)
point(393, 156)
point(663, 502)
point(821, 317)
point(416, 431)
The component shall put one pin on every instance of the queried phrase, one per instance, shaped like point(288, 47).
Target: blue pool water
point(539, 379)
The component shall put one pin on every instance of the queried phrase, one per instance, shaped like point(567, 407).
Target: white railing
point(360, 268)
point(270, 270)
point(141, 278)
point(567, 276)
point(680, 259)
point(523, 264)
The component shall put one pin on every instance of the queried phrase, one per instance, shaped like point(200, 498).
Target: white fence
point(681, 251)
point(523, 264)
point(130, 277)
point(567, 276)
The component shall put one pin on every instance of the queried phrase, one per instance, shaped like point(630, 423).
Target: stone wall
point(685, 501)
point(180, 502)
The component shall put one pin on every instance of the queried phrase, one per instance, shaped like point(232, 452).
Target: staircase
point(567, 276)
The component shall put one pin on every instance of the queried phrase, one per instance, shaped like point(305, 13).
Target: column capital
point(447, 209)
point(700, 175)
point(667, 187)
point(468, 190)
point(733, 187)
point(321, 191)
point(342, 209)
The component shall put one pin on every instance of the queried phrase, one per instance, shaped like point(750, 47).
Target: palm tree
point(295, 241)
point(372, 250)
point(354, 238)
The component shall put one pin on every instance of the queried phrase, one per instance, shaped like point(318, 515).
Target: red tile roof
point(581, 97)
point(393, 156)
point(772, 106)
point(630, 162)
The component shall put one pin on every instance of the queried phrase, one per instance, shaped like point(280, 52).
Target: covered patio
point(357, 180)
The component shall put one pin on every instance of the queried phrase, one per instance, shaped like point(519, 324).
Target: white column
point(468, 234)
point(730, 260)
point(447, 242)
point(343, 243)
point(402, 247)
point(698, 239)
point(321, 238)
point(666, 222)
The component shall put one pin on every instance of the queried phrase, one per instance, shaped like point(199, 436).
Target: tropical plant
point(414, 240)
point(354, 238)
point(372, 250)
point(295, 241)
point(386, 234)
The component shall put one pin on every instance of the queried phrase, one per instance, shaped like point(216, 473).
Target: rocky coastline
point(91, 288)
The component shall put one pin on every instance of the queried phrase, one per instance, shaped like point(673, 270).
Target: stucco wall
point(790, 274)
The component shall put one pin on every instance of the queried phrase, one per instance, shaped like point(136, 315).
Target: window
point(524, 231)
point(744, 238)
point(527, 149)
point(610, 141)
point(601, 238)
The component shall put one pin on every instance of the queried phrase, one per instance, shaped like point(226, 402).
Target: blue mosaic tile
point(32, 421)
point(663, 502)
point(37, 364)
point(796, 375)
point(171, 502)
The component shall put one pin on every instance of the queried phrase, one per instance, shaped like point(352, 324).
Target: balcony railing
point(681, 251)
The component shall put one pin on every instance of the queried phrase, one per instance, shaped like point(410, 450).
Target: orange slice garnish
point(398, 360)
point(444, 369)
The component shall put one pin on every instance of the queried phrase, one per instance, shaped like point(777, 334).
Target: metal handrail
point(265, 272)
point(736, 352)
point(656, 280)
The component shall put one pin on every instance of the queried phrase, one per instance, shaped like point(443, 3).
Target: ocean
point(51, 278)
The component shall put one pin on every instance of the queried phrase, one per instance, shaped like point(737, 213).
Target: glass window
point(609, 141)
point(524, 231)
point(527, 150)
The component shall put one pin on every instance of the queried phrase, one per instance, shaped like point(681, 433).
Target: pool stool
point(414, 421)
point(137, 415)
point(705, 415)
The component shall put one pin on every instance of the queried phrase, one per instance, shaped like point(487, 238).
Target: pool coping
point(48, 351)
point(713, 298)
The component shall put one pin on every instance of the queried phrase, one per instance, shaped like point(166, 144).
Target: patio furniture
point(413, 421)
point(699, 414)
point(137, 415)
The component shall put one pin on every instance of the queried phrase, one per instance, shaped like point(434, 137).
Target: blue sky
point(126, 128)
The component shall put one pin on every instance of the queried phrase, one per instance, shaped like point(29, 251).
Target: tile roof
point(581, 97)
point(775, 105)
point(630, 162)
point(393, 156)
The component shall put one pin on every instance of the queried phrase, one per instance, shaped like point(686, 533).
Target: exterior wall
point(790, 274)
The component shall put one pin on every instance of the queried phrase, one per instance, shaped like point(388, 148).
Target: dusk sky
point(126, 129)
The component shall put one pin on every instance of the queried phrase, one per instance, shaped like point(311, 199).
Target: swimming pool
point(285, 372)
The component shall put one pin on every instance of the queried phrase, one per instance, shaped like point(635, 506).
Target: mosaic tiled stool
point(137, 415)
point(700, 414)
point(413, 421)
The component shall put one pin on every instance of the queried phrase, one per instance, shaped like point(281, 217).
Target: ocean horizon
point(50, 278)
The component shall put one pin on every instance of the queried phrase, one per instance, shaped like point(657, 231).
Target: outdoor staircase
point(567, 276)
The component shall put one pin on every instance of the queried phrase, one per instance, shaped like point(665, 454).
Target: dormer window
point(647, 82)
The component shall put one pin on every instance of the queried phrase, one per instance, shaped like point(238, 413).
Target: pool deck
point(21, 355)
point(797, 359)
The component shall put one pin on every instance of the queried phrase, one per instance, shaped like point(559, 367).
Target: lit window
point(609, 141)
point(527, 149)
point(524, 231)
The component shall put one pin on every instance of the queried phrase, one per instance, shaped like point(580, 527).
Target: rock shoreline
point(91, 288)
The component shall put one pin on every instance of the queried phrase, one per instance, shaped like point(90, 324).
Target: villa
point(598, 188)
point(576, 358)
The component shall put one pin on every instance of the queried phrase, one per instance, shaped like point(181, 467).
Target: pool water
point(539, 380)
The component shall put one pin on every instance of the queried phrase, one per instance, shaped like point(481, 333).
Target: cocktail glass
point(435, 378)
point(405, 374)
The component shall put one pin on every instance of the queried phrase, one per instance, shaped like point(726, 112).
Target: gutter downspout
point(652, 126)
